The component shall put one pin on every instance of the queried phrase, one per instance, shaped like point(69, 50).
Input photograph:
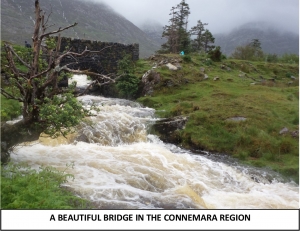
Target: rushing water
point(118, 165)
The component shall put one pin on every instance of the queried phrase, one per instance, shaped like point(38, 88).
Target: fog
point(221, 15)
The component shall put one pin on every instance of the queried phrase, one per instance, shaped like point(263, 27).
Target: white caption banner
point(150, 219)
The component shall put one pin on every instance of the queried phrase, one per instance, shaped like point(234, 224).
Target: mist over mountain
point(154, 31)
point(273, 40)
point(96, 21)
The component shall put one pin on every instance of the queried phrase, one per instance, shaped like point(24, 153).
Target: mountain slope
point(96, 21)
point(272, 40)
point(154, 31)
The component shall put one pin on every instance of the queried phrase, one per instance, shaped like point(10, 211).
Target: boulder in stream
point(167, 127)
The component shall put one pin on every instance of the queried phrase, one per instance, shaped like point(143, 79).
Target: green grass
point(25, 188)
point(268, 107)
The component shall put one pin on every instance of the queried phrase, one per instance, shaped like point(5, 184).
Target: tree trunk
point(19, 132)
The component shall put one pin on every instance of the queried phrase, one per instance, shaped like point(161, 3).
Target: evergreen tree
point(198, 30)
point(170, 32)
point(256, 44)
point(206, 39)
point(178, 38)
point(182, 21)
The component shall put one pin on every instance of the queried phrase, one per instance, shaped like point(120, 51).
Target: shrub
point(10, 109)
point(215, 54)
point(272, 58)
point(208, 62)
point(187, 58)
point(126, 65)
point(248, 52)
point(289, 58)
point(25, 188)
point(128, 85)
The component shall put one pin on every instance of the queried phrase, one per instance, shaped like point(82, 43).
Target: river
point(117, 164)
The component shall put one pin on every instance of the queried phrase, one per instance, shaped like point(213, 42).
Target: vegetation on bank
point(25, 188)
point(33, 76)
point(268, 106)
point(266, 94)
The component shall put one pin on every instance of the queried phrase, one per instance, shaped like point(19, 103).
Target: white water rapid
point(118, 165)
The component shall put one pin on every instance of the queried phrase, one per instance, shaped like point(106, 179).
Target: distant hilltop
point(272, 40)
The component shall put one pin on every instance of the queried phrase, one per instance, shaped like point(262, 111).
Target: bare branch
point(87, 88)
point(85, 52)
point(96, 82)
point(10, 60)
point(57, 46)
point(59, 30)
point(48, 17)
point(86, 72)
point(41, 73)
point(46, 27)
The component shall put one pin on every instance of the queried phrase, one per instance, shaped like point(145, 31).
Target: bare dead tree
point(40, 80)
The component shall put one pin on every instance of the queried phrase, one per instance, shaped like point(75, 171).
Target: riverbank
point(117, 164)
point(248, 110)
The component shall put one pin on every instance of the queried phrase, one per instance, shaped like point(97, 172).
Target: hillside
point(96, 21)
point(273, 41)
point(249, 110)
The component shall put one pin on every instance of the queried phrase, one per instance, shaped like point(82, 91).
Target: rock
point(154, 67)
point(295, 134)
point(236, 119)
point(3, 145)
point(152, 57)
point(205, 77)
point(151, 76)
point(149, 79)
point(202, 69)
point(169, 83)
point(284, 130)
point(223, 66)
point(252, 83)
point(178, 66)
point(171, 67)
point(216, 78)
point(185, 80)
point(167, 127)
point(228, 69)
point(293, 77)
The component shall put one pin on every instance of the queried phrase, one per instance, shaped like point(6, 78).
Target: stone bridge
point(104, 62)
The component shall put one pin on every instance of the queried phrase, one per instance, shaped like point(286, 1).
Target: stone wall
point(104, 62)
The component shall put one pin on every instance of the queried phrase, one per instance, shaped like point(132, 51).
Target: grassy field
point(263, 93)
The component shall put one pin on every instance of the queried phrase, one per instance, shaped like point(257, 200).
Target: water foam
point(117, 165)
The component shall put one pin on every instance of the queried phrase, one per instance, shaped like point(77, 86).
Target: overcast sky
point(221, 15)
